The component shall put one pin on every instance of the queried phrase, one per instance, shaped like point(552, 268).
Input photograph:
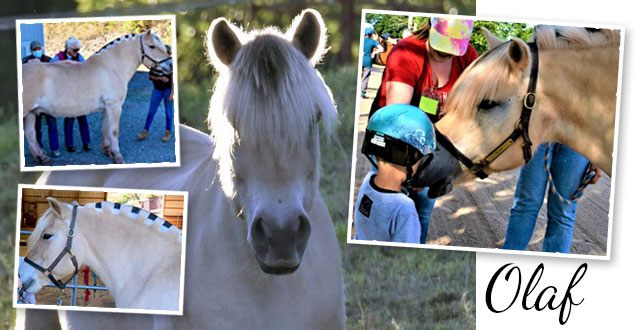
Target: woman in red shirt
point(421, 70)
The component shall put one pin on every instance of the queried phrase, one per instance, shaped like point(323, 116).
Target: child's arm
point(406, 226)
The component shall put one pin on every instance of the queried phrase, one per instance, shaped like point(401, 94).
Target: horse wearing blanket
point(262, 251)
point(63, 89)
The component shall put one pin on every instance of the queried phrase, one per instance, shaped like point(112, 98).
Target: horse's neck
point(122, 58)
point(122, 251)
point(577, 97)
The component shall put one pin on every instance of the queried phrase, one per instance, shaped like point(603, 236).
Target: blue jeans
point(567, 170)
point(365, 77)
point(83, 130)
point(424, 207)
point(155, 100)
point(51, 122)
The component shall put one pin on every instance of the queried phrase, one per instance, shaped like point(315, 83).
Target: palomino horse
point(574, 103)
point(124, 245)
point(99, 84)
point(261, 249)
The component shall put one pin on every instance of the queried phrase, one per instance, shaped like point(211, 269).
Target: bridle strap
point(67, 249)
point(521, 129)
point(144, 55)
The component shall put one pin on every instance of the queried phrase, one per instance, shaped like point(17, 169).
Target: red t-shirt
point(408, 63)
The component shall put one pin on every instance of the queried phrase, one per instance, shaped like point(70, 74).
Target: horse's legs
point(105, 140)
point(34, 146)
point(114, 113)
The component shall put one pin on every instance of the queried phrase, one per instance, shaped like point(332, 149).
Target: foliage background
point(386, 288)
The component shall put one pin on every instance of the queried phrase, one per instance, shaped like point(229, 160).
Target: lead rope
point(588, 175)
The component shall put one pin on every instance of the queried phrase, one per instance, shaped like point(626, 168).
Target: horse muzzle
point(279, 243)
point(439, 174)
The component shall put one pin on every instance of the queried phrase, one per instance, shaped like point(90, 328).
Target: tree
point(503, 30)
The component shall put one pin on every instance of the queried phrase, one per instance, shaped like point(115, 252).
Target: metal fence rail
point(73, 285)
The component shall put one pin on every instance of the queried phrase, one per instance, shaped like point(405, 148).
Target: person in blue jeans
point(163, 91)
point(71, 53)
point(567, 169)
point(370, 45)
point(37, 55)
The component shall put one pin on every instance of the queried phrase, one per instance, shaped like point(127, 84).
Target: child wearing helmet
point(421, 70)
point(399, 140)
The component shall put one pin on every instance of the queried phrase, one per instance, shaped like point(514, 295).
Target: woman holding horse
point(163, 91)
point(71, 53)
point(421, 70)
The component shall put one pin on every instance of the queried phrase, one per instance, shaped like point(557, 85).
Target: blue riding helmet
point(368, 30)
point(400, 134)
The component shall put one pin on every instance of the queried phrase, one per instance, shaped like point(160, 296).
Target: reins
point(70, 233)
point(520, 131)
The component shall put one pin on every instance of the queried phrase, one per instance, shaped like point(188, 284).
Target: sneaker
point(167, 136)
point(70, 149)
point(56, 153)
point(143, 135)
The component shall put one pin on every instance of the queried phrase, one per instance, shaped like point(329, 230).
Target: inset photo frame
point(98, 92)
point(485, 134)
point(99, 249)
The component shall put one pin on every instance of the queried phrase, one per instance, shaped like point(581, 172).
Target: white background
point(608, 288)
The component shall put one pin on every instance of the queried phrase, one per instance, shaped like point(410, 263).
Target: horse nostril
point(303, 232)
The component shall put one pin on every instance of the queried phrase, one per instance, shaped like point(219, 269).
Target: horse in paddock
point(124, 245)
point(495, 119)
point(261, 247)
point(61, 89)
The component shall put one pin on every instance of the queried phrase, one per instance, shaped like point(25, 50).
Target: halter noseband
point(69, 242)
point(144, 56)
point(521, 129)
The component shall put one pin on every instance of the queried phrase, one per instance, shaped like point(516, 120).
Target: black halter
point(521, 130)
point(69, 242)
point(144, 56)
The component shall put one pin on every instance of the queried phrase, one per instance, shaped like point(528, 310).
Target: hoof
point(44, 160)
point(119, 160)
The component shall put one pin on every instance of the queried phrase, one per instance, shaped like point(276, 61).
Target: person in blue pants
point(71, 53)
point(37, 55)
point(163, 91)
point(567, 168)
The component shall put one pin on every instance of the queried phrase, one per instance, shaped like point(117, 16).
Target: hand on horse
point(597, 176)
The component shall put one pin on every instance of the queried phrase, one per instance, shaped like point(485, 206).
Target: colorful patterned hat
point(449, 35)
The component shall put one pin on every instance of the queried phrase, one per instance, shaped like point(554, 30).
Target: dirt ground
point(475, 214)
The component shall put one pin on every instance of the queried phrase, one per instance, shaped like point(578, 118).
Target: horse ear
point(492, 40)
point(308, 34)
point(223, 42)
point(518, 54)
point(55, 205)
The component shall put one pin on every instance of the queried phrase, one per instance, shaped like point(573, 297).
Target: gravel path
point(135, 109)
point(475, 214)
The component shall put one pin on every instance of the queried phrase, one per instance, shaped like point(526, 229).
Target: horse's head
point(45, 244)
point(264, 117)
point(154, 53)
point(482, 110)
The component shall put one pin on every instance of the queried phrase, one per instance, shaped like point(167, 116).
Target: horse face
point(156, 51)
point(481, 112)
point(276, 196)
point(270, 107)
point(45, 244)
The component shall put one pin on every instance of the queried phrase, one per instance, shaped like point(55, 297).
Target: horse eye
point(46, 236)
point(488, 104)
point(151, 47)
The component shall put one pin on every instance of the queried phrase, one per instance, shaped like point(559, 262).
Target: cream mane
point(124, 212)
point(269, 98)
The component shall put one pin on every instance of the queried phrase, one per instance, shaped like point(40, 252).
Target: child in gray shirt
point(399, 138)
